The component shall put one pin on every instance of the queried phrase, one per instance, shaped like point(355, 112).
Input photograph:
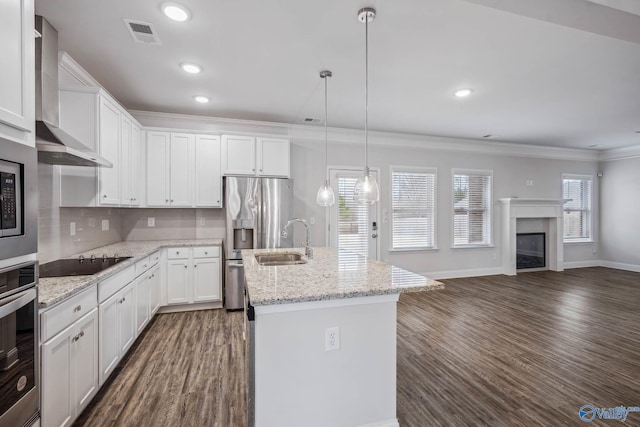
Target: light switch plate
point(105, 225)
point(72, 228)
point(151, 222)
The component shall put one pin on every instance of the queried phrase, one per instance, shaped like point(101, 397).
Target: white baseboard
point(454, 274)
point(387, 423)
point(583, 264)
point(621, 266)
point(179, 308)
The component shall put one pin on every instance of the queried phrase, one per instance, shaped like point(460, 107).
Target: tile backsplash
point(173, 224)
point(54, 224)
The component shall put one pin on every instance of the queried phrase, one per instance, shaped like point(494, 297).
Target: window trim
point(414, 169)
point(582, 177)
point(463, 171)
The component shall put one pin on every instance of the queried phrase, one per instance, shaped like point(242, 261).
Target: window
point(413, 209)
point(577, 212)
point(472, 213)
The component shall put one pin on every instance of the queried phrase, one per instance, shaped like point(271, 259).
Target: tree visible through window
point(577, 211)
point(472, 213)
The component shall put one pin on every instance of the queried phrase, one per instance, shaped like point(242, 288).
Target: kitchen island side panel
point(299, 383)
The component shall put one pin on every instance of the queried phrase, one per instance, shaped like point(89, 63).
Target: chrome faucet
point(307, 245)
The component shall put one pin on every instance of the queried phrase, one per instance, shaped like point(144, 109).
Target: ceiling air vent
point(311, 120)
point(142, 32)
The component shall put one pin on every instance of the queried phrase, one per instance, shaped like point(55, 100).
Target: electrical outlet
point(332, 339)
point(105, 225)
point(312, 220)
point(202, 221)
point(72, 229)
point(151, 222)
point(529, 183)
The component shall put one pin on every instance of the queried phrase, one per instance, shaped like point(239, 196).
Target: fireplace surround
point(548, 209)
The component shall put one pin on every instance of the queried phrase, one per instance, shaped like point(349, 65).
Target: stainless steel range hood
point(55, 146)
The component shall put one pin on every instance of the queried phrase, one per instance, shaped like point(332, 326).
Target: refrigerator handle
point(257, 229)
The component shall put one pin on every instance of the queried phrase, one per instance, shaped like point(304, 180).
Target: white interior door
point(352, 226)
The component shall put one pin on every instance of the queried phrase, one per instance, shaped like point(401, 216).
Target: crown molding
point(620, 153)
point(313, 134)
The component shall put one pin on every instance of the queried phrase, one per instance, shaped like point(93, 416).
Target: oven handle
point(16, 302)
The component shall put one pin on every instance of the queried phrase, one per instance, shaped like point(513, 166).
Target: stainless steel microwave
point(18, 200)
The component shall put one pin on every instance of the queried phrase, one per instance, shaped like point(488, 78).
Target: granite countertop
point(53, 290)
point(331, 274)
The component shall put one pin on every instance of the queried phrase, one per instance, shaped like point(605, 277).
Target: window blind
point(577, 212)
point(472, 213)
point(413, 209)
point(353, 219)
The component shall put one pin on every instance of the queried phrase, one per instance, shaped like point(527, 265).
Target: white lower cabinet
point(205, 285)
point(193, 275)
point(142, 302)
point(70, 371)
point(154, 290)
point(117, 329)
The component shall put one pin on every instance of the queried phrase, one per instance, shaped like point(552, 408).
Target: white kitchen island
point(296, 378)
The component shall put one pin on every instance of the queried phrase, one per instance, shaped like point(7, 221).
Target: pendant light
point(325, 195)
point(366, 191)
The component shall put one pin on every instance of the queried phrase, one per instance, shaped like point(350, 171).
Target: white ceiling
point(534, 81)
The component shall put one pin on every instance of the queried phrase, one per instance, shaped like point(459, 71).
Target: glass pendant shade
point(366, 191)
point(325, 196)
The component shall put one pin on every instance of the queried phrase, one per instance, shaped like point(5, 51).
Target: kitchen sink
point(280, 258)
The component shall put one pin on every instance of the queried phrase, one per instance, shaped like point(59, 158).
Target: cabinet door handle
point(81, 334)
point(171, 200)
point(166, 200)
point(76, 338)
point(195, 266)
point(185, 266)
point(260, 170)
point(104, 196)
point(206, 253)
point(78, 308)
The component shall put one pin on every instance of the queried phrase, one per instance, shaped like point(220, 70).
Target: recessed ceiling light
point(595, 146)
point(489, 135)
point(175, 11)
point(201, 99)
point(190, 68)
point(461, 93)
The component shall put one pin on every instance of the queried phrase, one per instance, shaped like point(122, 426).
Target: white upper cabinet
point(183, 170)
point(243, 155)
point(96, 120)
point(17, 71)
point(109, 139)
point(208, 180)
point(273, 157)
point(158, 168)
point(238, 155)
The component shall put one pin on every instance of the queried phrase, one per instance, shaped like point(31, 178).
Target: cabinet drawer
point(113, 284)
point(143, 265)
point(206, 252)
point(178, 253)
point(67, 312)
point(154, 258)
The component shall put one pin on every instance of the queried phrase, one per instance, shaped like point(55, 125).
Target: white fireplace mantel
point(551, 209)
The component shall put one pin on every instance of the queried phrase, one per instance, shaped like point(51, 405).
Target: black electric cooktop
point(77, 267)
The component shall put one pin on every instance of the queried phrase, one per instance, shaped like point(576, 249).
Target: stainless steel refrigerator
point(257, 210)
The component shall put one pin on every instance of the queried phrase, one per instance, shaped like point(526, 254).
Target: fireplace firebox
point(530, 250)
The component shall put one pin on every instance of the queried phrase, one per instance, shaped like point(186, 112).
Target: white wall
point(620, 204)
point(509, 173)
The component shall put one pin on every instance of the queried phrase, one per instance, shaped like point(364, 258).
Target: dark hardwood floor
point(497, 351)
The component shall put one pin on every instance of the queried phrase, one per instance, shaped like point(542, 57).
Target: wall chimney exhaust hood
point(55, 146)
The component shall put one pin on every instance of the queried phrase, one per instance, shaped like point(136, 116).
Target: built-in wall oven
point(18, 203)
point(19, 355)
